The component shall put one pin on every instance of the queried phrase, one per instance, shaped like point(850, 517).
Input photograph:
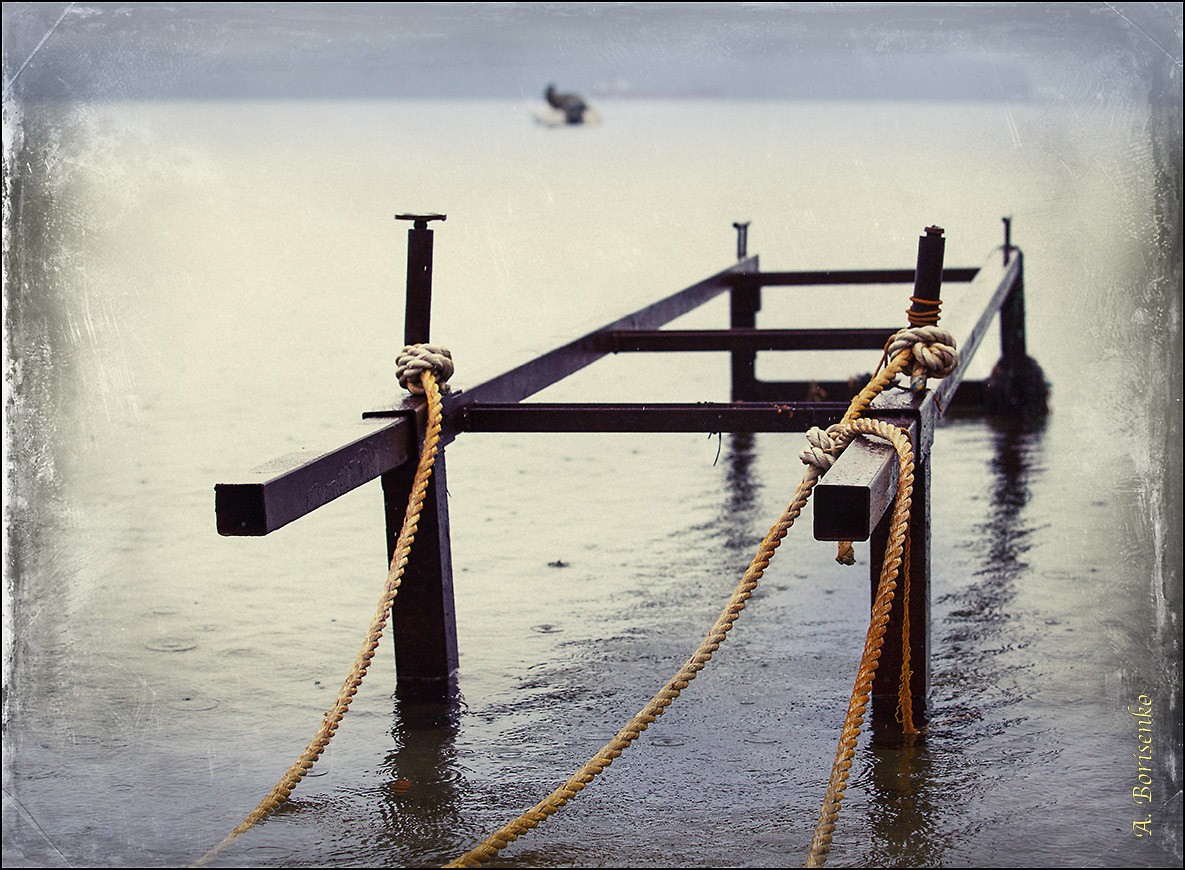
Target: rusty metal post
point(926, 301)
point(1017, 385)
point(423, 618)
point(927, 290)
point(888, 673)
point(417, 315)
point(927, 281)
point(744, 303)
point(742, 228)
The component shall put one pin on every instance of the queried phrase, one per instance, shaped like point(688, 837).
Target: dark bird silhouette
point(571, 105)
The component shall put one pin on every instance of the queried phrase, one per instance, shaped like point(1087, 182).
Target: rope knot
point(823, 447)
point(415, 359)
point(932, 346)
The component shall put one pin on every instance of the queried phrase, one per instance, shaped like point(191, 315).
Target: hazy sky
point(105, 51)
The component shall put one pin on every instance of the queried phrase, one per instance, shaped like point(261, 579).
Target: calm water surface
point(227, 282)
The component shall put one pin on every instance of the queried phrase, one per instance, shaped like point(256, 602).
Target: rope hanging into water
point(823, 447)
point(419, 367)
point(497, 841)
point(422, 369)
point(883, 603)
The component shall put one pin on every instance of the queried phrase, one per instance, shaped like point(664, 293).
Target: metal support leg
point(888, 672)
point(423, 617)
point(744, 303)
point(1017, 386)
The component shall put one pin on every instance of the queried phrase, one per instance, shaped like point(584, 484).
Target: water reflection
point(917, 784)
point(419, 800)
point(905, 797)
point(741, 504)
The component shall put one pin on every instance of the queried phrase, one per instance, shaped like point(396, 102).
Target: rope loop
point(931, 311)
point(933, 349)
point(415, 359)
point(822, 449)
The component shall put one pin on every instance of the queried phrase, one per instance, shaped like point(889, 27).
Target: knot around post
point(933, 349)
point(822, 448)
point(415, 359)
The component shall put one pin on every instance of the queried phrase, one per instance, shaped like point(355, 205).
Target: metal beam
point(746, 339)
point(854, 494)
point(280, 491)
point(846, 276)
point(652, 417)
point(273, 495)
point(852, 497)
point(969, 323)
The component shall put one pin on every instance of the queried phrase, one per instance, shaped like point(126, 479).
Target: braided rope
point(886, 586)
point(497, 841)
point(904, 686)
point(426, 378)
point(932, 351)
point(823, 447)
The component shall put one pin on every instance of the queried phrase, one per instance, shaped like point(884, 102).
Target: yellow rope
point(497, 841)
point(860, 403)
point(904, 687)
point(843, 432)
point(861, 692)
point(378, 622)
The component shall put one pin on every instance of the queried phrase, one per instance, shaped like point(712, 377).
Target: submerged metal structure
point(852, 502)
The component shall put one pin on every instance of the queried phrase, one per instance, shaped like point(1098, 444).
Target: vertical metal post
point(927, 280)
point(888, 673)
point(924, 308)
point(417, 315)
point(927, 290)
point(1017, 386)
point(423, 617)
point(742, 228)
point(744, 303)
point(1012, 317)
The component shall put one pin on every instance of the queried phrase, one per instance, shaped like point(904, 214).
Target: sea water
point(221, 283)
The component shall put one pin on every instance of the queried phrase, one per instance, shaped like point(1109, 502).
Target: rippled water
point(223, 284)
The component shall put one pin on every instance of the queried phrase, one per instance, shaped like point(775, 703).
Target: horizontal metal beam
point(746, 339)
point(264, 499)
point(267, 498)
point(854, 494)
point(978, 306)
point(844, 276)
point(543, 371)
point(650, 417)
point(295, 484)
point(970, 394)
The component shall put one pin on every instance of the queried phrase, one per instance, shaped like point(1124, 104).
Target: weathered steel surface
point(743, 304)
point(978, 305)
point(292, 485)
point(847, 276)
point(927, 284)
point(543, 371)
point(859, 488)
point(651, 417)
point(418, 309)
point(746, 339)
point(423, 615)
point(888, 673)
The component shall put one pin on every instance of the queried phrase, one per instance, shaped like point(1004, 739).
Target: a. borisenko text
point(1142, 793)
